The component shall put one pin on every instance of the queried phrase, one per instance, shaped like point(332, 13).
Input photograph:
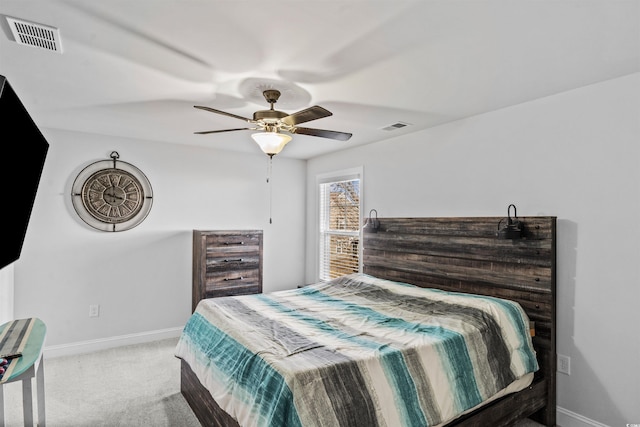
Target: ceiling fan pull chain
point(269, 170)
point(270, 189)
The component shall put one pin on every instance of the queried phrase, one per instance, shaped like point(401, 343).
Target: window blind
point(339, 228)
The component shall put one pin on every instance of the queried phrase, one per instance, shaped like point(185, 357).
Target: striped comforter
point(356, 351)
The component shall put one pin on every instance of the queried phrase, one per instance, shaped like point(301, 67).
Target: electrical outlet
point(94, 310)
point(564, 364)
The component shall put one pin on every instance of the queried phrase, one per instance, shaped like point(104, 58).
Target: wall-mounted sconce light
point(514, 228)
point(372, 224)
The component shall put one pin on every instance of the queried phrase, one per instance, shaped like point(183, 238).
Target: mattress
point(357, 351)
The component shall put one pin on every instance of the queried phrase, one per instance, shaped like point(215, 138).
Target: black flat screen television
point(23, 153)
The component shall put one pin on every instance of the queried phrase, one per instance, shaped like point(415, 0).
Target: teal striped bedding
point(357, 351)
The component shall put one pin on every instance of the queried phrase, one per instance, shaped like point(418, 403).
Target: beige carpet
point(129, 386)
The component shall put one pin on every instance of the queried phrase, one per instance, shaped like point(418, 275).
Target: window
point(339, 226)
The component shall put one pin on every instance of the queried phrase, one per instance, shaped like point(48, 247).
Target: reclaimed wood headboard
point(465, 255)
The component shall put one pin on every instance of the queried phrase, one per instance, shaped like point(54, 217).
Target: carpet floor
point(130, 386)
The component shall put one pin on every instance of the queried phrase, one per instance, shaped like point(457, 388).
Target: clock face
point(112, 196)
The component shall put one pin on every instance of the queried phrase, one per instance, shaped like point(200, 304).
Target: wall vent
point(36, 35)
point(396, 125)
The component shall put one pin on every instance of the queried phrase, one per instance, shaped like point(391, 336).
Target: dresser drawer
point(233, 240)
point(232, 278)
point(232, 261)
point(232, 291)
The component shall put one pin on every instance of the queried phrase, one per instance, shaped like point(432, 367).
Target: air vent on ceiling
point(36, 35)
point(396, 125)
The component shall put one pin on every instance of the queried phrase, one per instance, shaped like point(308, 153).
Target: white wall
point(141, 278)
point(576, 156)
point(6, 294)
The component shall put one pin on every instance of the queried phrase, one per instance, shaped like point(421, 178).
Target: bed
point(435, 331)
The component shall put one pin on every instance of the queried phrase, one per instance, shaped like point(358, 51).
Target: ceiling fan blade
point(224, 113)
point(219, 131)
point(340, 136)
point(306, 115)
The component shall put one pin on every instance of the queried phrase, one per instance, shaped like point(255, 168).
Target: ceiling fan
point(272, 123)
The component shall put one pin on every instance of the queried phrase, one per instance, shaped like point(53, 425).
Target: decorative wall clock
point(112, 195)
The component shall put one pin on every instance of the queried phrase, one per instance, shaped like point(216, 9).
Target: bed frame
point(464, 255)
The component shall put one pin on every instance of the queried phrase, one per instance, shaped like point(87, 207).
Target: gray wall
point(575, 155)
point(141, 278)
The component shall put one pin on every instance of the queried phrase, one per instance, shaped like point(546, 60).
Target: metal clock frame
point(124, 221)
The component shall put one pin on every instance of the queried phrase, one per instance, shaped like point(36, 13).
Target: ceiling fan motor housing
point(269, 115)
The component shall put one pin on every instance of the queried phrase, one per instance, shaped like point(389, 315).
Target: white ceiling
point(136, 68)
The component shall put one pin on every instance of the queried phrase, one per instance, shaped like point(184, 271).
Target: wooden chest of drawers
point(226, 262)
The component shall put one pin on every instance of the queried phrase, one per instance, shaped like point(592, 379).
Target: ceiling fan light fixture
point(271, 143)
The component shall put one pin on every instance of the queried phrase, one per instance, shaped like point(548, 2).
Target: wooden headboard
point(465, 255)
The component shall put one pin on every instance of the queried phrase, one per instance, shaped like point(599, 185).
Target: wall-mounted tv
point(23, 151)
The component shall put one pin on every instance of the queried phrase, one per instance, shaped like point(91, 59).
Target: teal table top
point(30, 353)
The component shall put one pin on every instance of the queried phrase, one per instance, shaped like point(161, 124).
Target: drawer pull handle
point(226, 279)
point(233, 260)
point(233, 243)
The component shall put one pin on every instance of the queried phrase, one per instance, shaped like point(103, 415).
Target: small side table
point(29, 365)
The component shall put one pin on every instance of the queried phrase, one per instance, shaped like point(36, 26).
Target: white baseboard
point(111, 342)
point(566, 418)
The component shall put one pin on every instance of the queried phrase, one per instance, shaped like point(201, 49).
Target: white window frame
point(337, 176)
